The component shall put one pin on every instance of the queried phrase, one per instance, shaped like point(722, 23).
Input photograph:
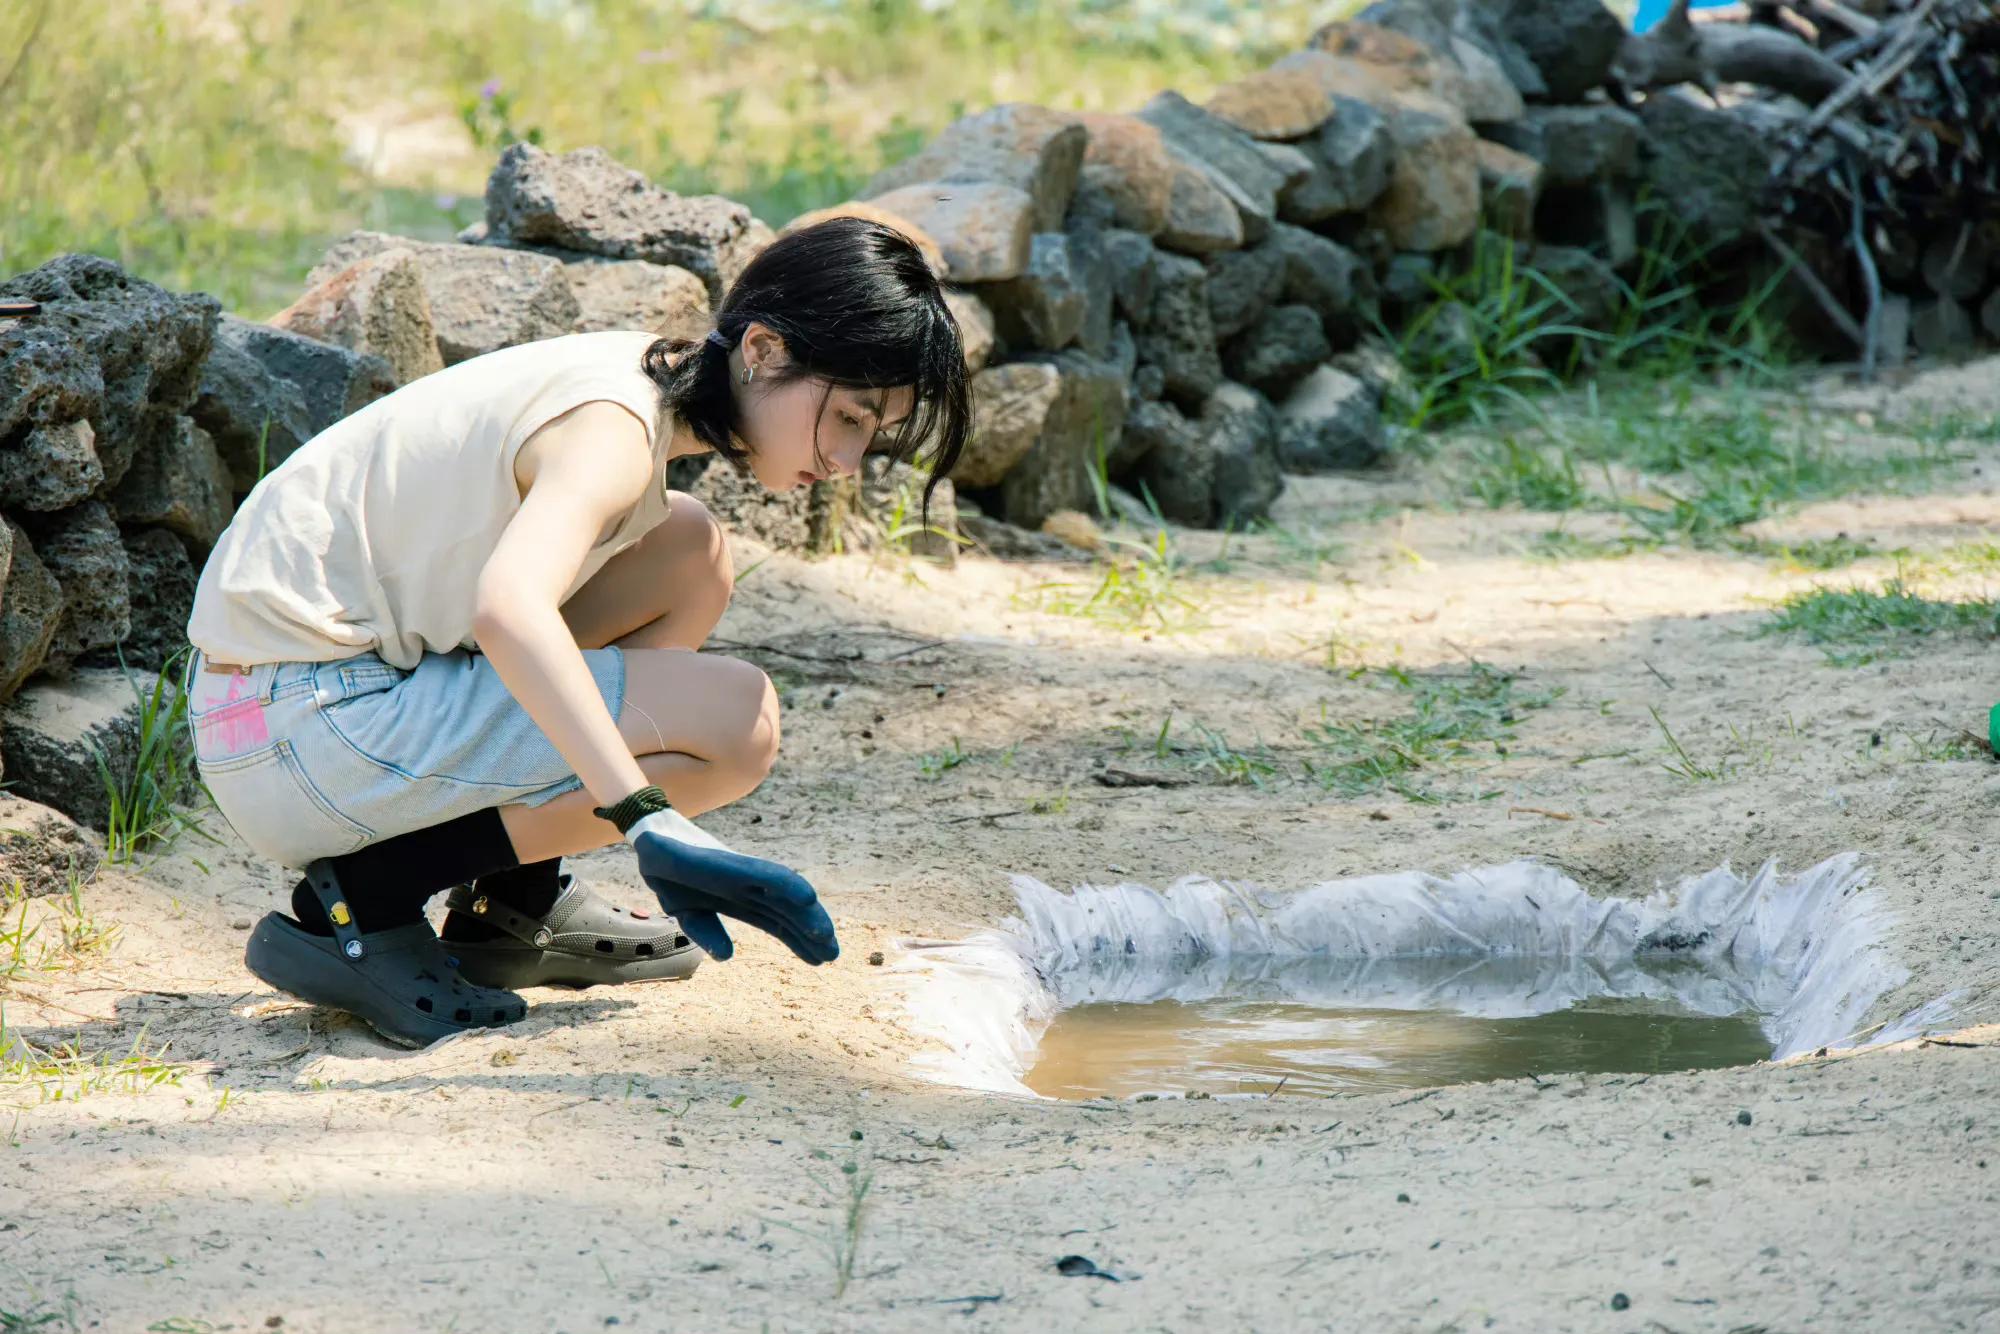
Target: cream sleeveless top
point(372, 536)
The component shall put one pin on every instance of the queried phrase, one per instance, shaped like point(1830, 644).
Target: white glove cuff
point(674, 825)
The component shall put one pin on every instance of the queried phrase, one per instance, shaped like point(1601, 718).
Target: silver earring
point(748, 371)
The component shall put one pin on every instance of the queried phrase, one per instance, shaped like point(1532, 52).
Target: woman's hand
point(699, 881)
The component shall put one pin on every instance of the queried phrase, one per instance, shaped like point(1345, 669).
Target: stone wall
point(1177, 298)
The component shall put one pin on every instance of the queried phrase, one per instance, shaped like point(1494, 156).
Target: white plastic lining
point(1805, 951)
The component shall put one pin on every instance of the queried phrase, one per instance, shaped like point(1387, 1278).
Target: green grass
point(1500, 333)
point(1144, 587)
point(1509, 471)
point(1697, 470)
point(64, 933)
point(936, 763)
point(1854, 626)
point(839, 1238)
point(208, 146)
point(1683, 764)
point(146, 797)
point(1450, 718)
point(1209, 752)
point(65, 1071)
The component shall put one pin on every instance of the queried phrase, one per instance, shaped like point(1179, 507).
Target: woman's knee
point(758, 752)
point(719, 709)
point(695, 538)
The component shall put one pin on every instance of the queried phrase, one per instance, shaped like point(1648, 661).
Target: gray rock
point(81, 548)
point(1180, 338)
point(1712, 165)
point(179, 482)
point(1575, 145)
point(1478, 24)
point(638, 294)
point(588, 202)
point(49, 466)
point(1322, 275)
point(1033, 149)
point(30, 611)
point(54, 733)
point(1122, 351)
point(1331, 420)
point(1130, 258)
point(46, 377)
point(376, 305)
point(982, 229)
point(107, 347)
point(267, 389)
point(892, 499)
point(1175, 467)
point(1432, 202)
point(781, 519)
point(482, 298)
point(1941, 326)
point(1353, 157)
point(1010, 403)
point(1278, 351)
point(1127, 178)
point(1242, 436)
point(1245, 174)
point(1201, 216)
point(976, 331)
point(1509, 185)
point(42, 851)
point(1292, 163)
point(1570, 42)
point(1083, 422)
point(162, 583)
point(1590, 289)
point(1242, 285)
point(1408, 281)
point(1005, 541)
point(1148, 382)
point(1062, 297)
point(1485, 94)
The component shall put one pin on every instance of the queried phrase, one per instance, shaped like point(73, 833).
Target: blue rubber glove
point(699, 882)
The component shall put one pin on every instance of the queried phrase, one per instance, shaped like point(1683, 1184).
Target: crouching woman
point(452, 640)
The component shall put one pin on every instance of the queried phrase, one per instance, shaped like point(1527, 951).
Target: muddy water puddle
point(1312, 1027)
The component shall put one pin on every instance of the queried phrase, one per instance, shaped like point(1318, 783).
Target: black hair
point(858, 307)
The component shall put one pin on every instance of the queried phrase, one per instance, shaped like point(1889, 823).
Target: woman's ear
point(763, 347)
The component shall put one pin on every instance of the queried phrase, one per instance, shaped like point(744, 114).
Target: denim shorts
point(316, 759)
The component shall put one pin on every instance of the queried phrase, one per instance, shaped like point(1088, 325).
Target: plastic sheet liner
point(1805, 951)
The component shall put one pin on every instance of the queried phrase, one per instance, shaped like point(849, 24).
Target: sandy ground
point(668, 1157)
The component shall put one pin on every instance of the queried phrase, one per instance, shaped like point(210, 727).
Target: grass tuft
point(1855, 626)
point(1451, 716)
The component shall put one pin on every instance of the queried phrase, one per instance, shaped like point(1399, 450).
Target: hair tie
point(715, 337)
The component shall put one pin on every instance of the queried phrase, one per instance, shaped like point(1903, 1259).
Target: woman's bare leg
point(667, 592)
point(704, 728)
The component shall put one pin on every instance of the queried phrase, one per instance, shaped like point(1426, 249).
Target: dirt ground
point(668, 1157)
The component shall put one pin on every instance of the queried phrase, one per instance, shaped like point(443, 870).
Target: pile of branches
point(1884, 189)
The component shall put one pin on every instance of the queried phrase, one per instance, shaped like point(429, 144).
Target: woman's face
point(779, 420)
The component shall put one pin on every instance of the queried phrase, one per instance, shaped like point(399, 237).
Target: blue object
point(1652, 11)
point(700, 886)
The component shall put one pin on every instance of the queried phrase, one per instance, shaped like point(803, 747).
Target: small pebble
point(875, 958)
point(1743, 1117)
point(1401, 1198)
point(1620, 1302)
point(240, 924)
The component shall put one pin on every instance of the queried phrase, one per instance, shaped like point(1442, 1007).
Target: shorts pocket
point(270, 801)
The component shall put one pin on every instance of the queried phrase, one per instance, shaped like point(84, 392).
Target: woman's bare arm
point(578, 473)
